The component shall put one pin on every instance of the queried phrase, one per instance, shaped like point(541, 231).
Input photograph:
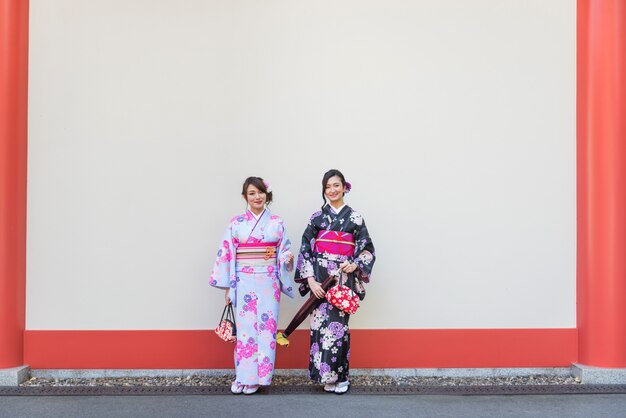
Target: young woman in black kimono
point(335, 243)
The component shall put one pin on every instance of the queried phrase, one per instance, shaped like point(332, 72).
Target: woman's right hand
point(226, 299)
point(316, 288)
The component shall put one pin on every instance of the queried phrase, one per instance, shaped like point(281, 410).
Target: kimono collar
point(333, 210)
point(256, 233)
point(257, 217)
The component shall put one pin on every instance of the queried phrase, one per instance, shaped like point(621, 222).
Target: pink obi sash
point(257, 253)
point(335, 242)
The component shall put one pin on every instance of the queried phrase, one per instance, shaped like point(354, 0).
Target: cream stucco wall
point(454, 120)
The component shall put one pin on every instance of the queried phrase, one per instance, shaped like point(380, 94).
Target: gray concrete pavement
point(317, 406)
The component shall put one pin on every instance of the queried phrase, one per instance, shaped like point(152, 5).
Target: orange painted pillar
point(601, 159)
point(13, 134)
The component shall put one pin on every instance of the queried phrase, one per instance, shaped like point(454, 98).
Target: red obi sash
point(335, 242)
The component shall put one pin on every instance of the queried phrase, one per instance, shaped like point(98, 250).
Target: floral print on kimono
point(330, 333)
point(255, 292)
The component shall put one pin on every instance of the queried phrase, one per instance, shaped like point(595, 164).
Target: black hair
point(331, 173)
point(259, 184)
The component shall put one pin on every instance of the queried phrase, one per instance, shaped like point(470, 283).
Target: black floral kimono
point(330, 334)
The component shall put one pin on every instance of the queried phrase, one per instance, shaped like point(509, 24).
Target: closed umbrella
point(305, 310)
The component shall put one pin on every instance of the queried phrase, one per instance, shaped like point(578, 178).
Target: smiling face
point(255, 198)
point(334, 190)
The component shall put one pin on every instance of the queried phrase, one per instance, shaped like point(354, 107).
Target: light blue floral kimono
point(255, 292)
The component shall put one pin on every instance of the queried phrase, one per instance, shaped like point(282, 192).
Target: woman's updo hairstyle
point(331, 173)
point(259, 183)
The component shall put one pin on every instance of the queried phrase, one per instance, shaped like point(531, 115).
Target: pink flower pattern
point(255, 292)
point(246, 351)
point(250, 304)
point(265, 367)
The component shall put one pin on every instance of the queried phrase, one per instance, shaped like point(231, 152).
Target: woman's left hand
point(289, 262)
point(347, 267)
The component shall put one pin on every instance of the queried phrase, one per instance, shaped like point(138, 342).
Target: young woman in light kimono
point(252, 266)
point(336, 243)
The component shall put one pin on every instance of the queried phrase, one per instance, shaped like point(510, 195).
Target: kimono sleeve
point(306, 257)
point(364, 256)
point(224, 271)
point(284, 267)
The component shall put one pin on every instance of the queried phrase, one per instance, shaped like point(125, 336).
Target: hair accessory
point(267, 186)
point(348, 186)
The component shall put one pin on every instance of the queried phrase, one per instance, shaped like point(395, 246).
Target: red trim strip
point(601, 182)
point(412, 348)
point(13, 139)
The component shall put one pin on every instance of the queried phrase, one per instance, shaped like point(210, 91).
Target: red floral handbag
point(343, 298)
point(226, 329)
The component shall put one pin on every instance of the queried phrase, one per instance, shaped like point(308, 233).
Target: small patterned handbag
point(343, 298)
point(226, 329)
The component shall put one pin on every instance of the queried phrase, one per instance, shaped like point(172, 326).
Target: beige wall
point(454, 120)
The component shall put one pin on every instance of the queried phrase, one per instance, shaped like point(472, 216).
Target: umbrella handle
point(282, 340)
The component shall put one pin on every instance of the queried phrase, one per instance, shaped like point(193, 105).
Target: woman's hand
point(316, 288)
point(226, 299)
point(289, 262)
point(348, 267)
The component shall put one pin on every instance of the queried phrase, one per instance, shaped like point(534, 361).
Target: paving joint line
point(476, 390)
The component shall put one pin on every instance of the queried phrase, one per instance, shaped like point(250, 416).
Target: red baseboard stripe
point(389, 348)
